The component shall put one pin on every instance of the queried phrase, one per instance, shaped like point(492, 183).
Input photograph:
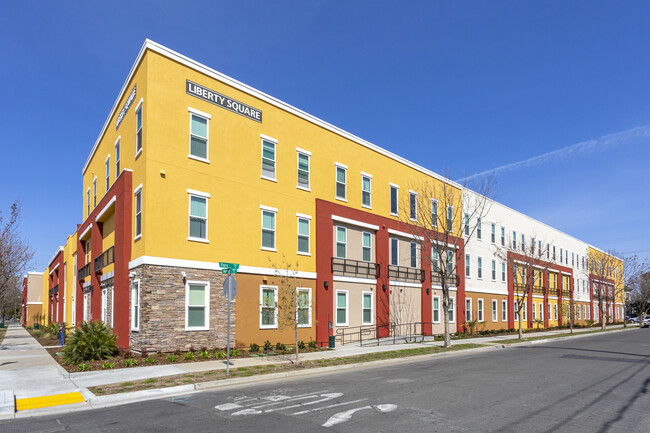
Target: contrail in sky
point(605, 142)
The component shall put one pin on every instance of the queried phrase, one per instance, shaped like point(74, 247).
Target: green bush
point(130, 362)
point(52, 329)
point(150, 360)
point(280, 347)
point(255, 347)
point(89, 342)
point(301, 345)
point(189, 356)
point(313, 345)
point(235, 352)
point(204, 354)
point(172, 358)
point(83, 367)
point(107, 365)
point(267, 345)
point(219, 354)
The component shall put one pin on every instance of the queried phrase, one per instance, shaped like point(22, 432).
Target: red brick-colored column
point(591, 299)
point(122, 256)
point(529, 303)
point(383, 286)
point(559, 298)
point(96, 249)
point(426, 309)
point(460, 290)
point(324, 295)
point(545, 283)
point(511, 297)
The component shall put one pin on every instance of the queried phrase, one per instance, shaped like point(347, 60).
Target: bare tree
point(15, 255)
point(637, 285)
point(529, 262)
point(433, 214)
point(606, 273)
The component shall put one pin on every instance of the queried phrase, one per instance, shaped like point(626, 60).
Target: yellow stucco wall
point(69, 251)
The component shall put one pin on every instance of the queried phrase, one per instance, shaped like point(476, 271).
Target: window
point(394, 251)
point(138, 212)
point(135, 305)
point(436, 309)
point(534, 311)
point(504, 310)
point(197, 295)
point(493, 233)
point(516, 311)
point(199, 136)
point(303, 169)
point(523, 311)
point(561, 255)
point(268, 159)
point(303, 234)
point(365, 190)
point(514, 240)
point(108, 172)
point(553, 252)
point(138, 129)
point(268, 228)
point(573, 263)
point(468, 309)
point(303, 307)
point(503, 272)
point(268, 307)
point(479, 274)
point(450, 218)
point(494, 270)
point(523, 242)
point(539, 248)
point(88, 202)
point(94, 192)
point(503, 236)
point(466, 224)
point(104, 311)
point(451, 312)
point(342, 308)
point(341, 174)
point(450, 261)
point(479, 229)
point(393, 199)
point(414, 255)
point(578, 311)
point(467, 265)
point(549, 311)
point(548, 251)
point(555, 311)
point(341, 242)
point(495, 311)
point(366, 314)
point(480, 310)
point(434, 259)
point(366, 246)
point(413, 205)
point(434, 213)
point(198, 221)
point(117, 158)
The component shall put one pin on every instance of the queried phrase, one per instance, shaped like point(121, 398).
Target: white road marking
point(228, 406)
point(385, 407)
point(341, 417)
point(329, 407)
point(328, 396)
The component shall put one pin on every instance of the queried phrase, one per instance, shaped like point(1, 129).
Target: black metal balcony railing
point(520, 287)
point(54, 290)
point(451, 280)
point(355, 268)
point(403, 273)
point(539, 290)
point(104, 259)
point(84, 271)
point(563, 293)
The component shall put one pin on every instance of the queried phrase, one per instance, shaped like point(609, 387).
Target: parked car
point(645, 322)
point(633, 319)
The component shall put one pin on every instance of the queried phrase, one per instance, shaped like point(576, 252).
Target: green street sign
point(228, 268)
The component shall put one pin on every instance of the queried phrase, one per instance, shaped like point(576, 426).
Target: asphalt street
point(592, 384)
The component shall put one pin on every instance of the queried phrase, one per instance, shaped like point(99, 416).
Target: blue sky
point(464, 86)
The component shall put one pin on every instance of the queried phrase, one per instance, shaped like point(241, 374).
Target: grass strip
point(547, 337)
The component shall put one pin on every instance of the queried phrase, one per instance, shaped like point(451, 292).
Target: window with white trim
point(516, 310)
point(549, 311)
point(503, 272)
point(450, 218)
point(366, 312)
point(479, 263)
point(199, 136)
point(104, 312)
point(394, 209)
point(268, 159)
point(493, 233)
point(303, 235)
point(514, 240)
point(504, 310)
point(479, 310)
point(413, 205)
point(494, 270)
point(268, 307)
point(468, 309)
point(138, 213)
point(452, 311)
point(94, 193)
point(341, 182)
point(503, 236)
point(466, 224)
point(303, 169)
point(342, 308)
point(534, 311)
point(523, 242)
point(479, 229)
point(467, 265)
point(268, 229)
point(341, 242)
point(365, 190)
point(434, 213)
point(117, 158)
point(394, 251)
point(435, 260)
point(138, 130)
point(303, 307)
point(366, 240)
point(555, 311)
point(414, 255)
point(198, 217)
point(88, 202)
point(495, 311)
point(107, 163)
point(197, 295)
point(436, 309)
point(135, 306)
point(450, 261)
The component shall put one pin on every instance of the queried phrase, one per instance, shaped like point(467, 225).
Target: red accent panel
point(545, 281)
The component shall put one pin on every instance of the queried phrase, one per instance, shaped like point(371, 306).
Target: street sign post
point(228, 268)
point(229, 291)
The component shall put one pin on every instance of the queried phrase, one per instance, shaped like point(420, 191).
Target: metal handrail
point(355, 267)
point(54, 290)
point(540, 290)
point(404, 273)
point(105, 259)
point(84, 271)
point(409, 332)
point(452, 280)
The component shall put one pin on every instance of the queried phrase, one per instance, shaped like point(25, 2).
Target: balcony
point(563, 293)
point(84, 271)
point(520, 287)
point(355, 268)
point(54, 290)
point(404, 273)
point(104, 259)
point(539, 290)
point(451, 280)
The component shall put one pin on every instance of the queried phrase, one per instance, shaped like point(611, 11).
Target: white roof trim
point(85, 232)
point(405, 235)
point(354, 222)
point(56, 253)
point(106, 209)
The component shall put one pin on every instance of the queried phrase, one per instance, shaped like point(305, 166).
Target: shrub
point(89, 342)
point(313, 345)
point(219, 354)
point(280, 347)
point(150, 360)
point(267, 345)
point(130, 362)
point(52, 329)
point(38, 334)
point(204, 354)
point(108, 365)
point(301, 345)
point(172, 358)
point(255, 347)
point(189, 356)
point(235, 352)
point(83, 367)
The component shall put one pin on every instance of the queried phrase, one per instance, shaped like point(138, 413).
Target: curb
point(551, 339)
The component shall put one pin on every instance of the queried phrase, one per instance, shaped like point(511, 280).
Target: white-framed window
point(514, 240)
point(413, 205)
point(534, 311)
point(198, 216)
point(479, 310)
point(394, 196)
point(466, 224)
point(452, 310)
point(495, 311)
point(435, 260)
point(434, 213)
point(549, 311)
point(366, 312)
point(199, 133)
point(304, 222)
point(414, 255)
point(585, 311)
point(107, 164)
point(450, 261)
point(468, 265)
point(493, 233)
point(268, 228)
point(88, 201)
point(341, 242)
point(578, 311)
point(342, 308)
point(516, 310)
point(503, 272)
point(104, 306)
point(117, 157)
point(494, 270)
point(479, 229)
point(523, 242)
point(94, 192)
point(504, 310)
point(303, 161)
point(86, 311)
point(450, 218)
point(268, 158)
point(268, 307)
point(503, 236)
point(468, 309)
point(365, 190)
point(135, 305)
point(138, 212)
point(479, 263)
point(341, 182)
point(436, 309)
point(394, 251)
point(366, 245)
point(303, 307)
point(197, 301)
point(555, 311)
point(532, 245)
point(138, 129)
